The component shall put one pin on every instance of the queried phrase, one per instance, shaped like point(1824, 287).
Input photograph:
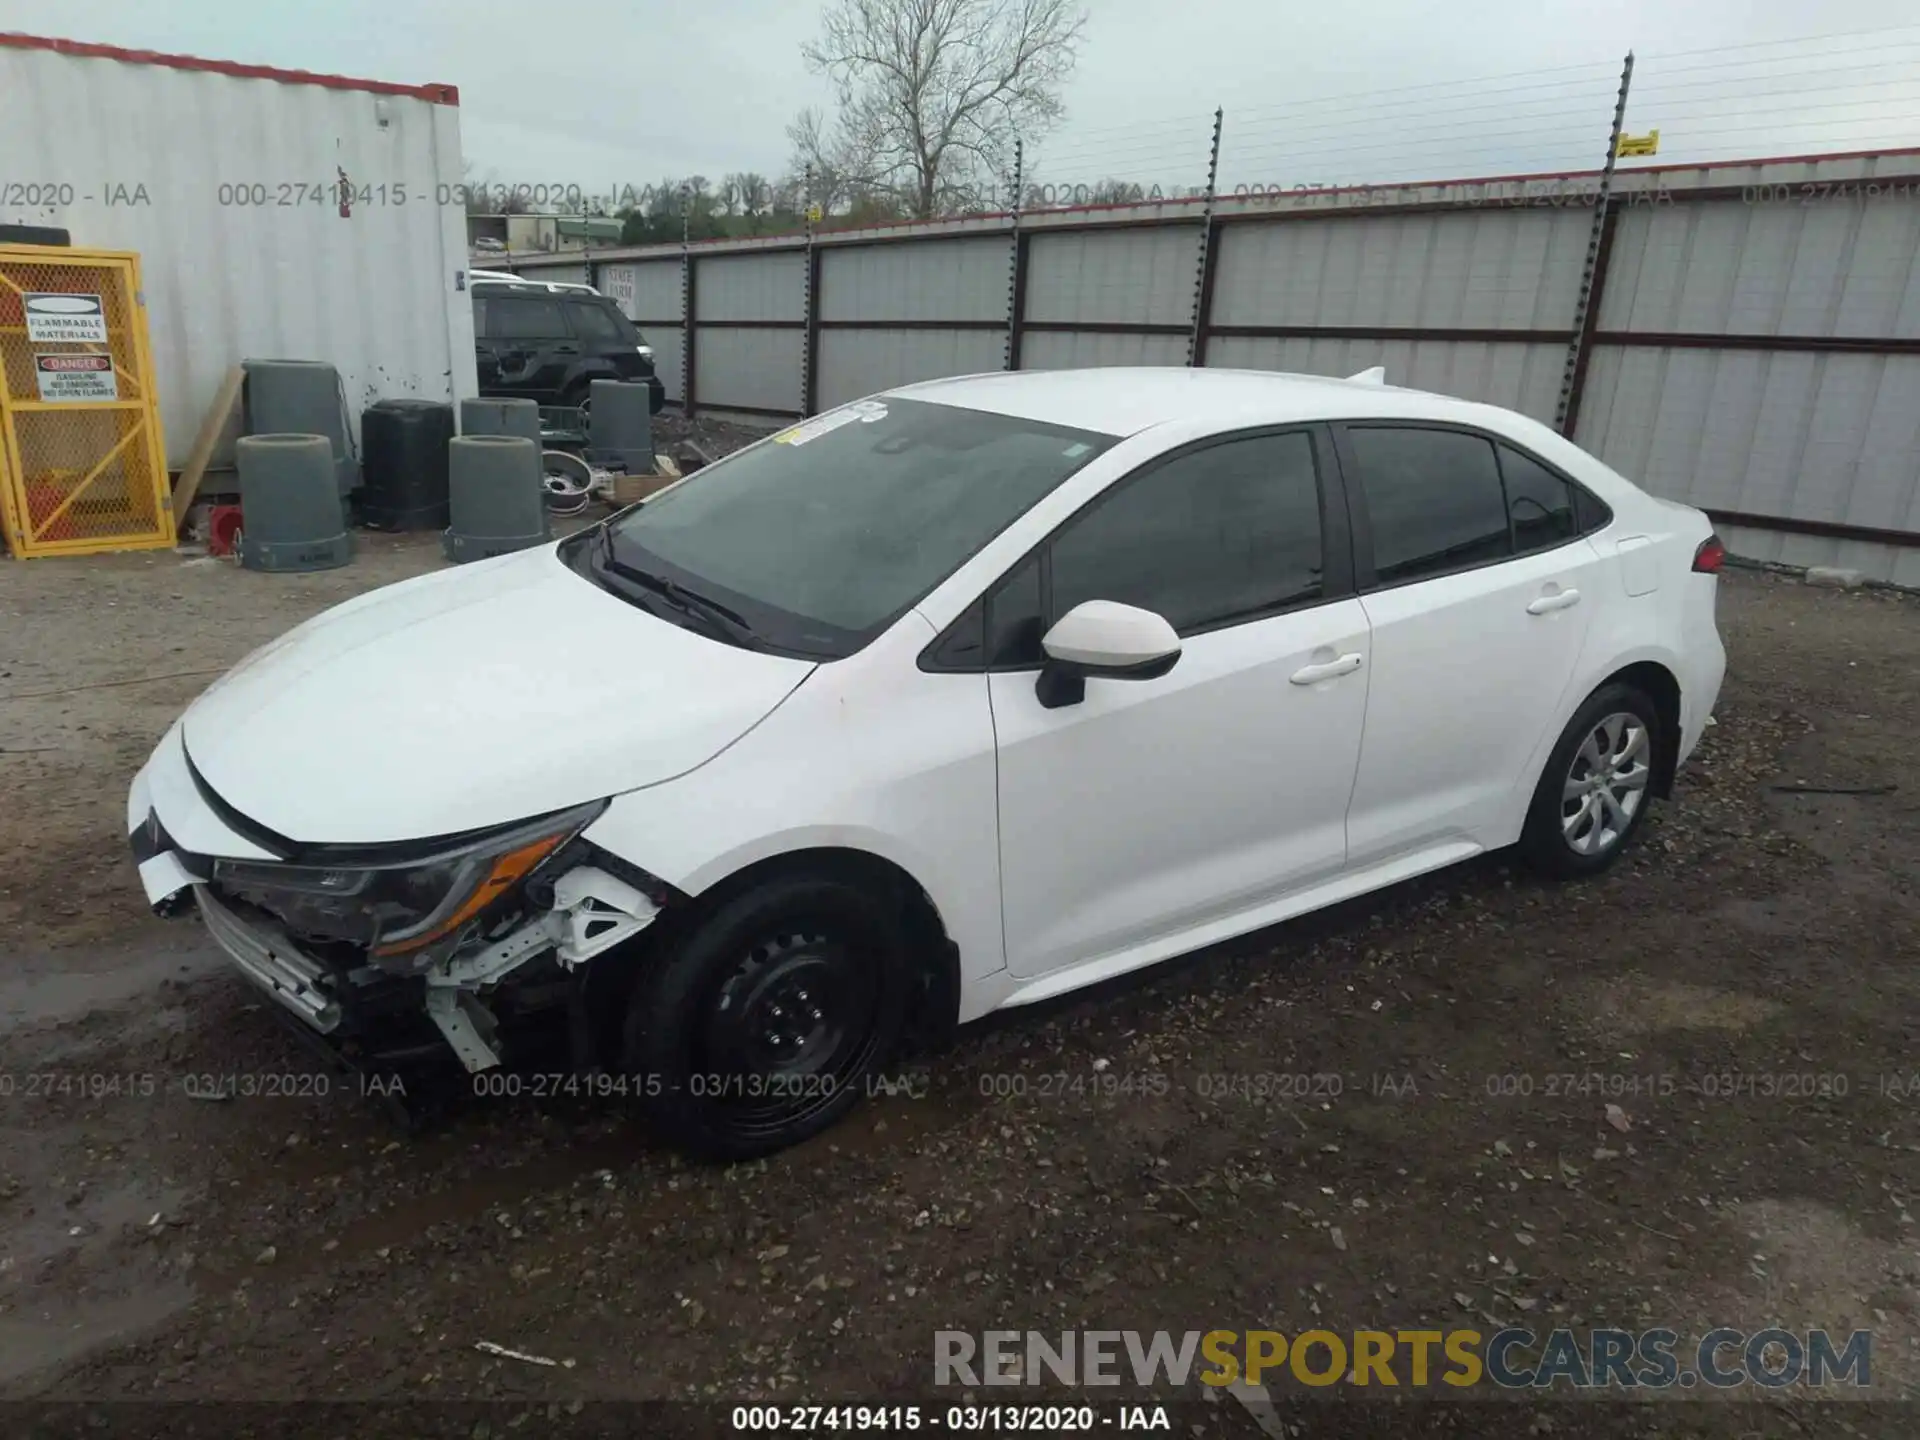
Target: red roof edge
point(436, 94)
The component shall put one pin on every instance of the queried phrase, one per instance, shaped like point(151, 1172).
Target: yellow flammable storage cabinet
point(83, 465)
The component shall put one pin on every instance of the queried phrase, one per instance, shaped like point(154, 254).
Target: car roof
point(1124, 400)
point(520, 285)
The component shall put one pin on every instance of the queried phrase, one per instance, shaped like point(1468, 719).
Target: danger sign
point(75, 379)
point(52, 317)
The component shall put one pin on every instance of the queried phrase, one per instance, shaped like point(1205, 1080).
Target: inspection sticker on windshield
point(814, 429)
point(866, 410)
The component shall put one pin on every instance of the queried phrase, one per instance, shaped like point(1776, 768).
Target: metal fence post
point(1586, 307)
point(810, 336)
point(1203, 280)
point(1016, 262)
point(686, 301)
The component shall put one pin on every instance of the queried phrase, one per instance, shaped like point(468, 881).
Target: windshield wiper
point(730, 622)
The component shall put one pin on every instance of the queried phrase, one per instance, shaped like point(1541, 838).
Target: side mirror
point(1103, 640)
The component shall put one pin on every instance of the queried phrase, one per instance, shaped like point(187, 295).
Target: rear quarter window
point(599, 321)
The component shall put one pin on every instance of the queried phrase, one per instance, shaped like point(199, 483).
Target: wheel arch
point(1659, 684)
point(934, 1005)
point(1649, 670)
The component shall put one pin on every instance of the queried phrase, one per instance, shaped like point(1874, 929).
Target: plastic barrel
point(620, 426)
point(495, 497)
point(501, 417)
point(301, 397)
point(404, 465)
point(289, 506)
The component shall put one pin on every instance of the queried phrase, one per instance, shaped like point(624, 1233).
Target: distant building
point(530, 233)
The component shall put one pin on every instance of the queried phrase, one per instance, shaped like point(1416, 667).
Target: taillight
point(1711, 555)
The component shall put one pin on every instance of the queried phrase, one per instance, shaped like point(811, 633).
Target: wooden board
point(627, 489)
point(211, 429)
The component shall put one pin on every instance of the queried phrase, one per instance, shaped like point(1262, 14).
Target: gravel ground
point(1434, 1173)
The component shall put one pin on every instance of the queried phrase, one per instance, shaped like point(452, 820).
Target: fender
point(1587, 679)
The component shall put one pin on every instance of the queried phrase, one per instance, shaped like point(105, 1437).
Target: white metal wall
point(650, 293)
point(751, 358)
point(855, 363)
point(1477, 270)
point(1144, 276)
point(1068, 349)
point(1520, 377)
point(1799, 434)
point(932, 280)
point(1841, 266)
point(1794, 417)
point(769, 286)
point(864, 287)
point(748, 370)
point(221, 184)
point(576, 272)
point(1480, 271)
point(1830, 438)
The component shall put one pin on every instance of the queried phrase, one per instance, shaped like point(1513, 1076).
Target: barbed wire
point(1845, 91)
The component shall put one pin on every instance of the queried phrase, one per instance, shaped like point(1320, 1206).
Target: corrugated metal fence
point(1749, 340)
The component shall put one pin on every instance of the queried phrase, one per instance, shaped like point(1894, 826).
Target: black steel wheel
point(766, 1023)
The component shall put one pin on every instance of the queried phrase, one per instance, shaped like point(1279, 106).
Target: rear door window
point(1433, 499)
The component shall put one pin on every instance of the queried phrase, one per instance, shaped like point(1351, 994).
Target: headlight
point(645, 351)
point(394, 907)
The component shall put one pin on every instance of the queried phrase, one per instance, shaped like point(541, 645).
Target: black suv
point(548, 343)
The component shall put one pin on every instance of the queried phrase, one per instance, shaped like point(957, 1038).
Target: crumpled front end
point(390, 953)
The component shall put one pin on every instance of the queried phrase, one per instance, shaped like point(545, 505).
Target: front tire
point(1596, 787)
point(767, 1022)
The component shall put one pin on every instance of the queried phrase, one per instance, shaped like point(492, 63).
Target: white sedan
point(956, 698)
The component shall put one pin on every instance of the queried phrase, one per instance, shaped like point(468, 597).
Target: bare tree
point(756, 195)
point(932, 93)
point(837, 168)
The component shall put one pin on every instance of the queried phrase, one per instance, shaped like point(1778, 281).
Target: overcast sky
point(609, 92)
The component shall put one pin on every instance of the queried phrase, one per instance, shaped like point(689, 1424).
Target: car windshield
point(815, 540)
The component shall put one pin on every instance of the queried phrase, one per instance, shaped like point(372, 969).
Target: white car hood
point(471, 697)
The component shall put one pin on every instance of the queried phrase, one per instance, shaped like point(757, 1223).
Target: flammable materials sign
point(55, 317)
point(75, 379)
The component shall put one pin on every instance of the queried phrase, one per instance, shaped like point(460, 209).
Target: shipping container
point(277, 214)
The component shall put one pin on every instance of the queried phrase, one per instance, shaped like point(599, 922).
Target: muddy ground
point(1131, 1159)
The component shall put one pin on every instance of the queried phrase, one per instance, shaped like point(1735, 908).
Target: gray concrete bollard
point(495, 497)
point(290, 512)
point(620, 426)
point(501, 417)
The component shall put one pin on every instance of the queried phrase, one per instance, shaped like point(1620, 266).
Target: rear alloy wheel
point(768, 1021)
point(1596, 787)
point(1606, 784)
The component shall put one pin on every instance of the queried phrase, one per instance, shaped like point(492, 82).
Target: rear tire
point(1596, 787)
point(768, 1020)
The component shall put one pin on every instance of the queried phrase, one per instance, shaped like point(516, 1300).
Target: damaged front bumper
point(339, 992)
point(267, 956)
point(593, 911)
